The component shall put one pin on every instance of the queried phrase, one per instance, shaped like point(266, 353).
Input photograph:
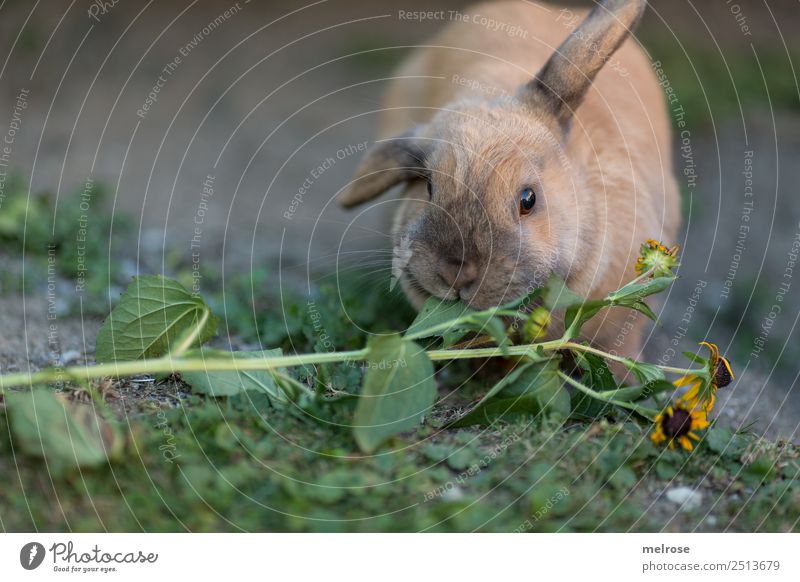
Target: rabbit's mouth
point(418, 293)
point(414, 289)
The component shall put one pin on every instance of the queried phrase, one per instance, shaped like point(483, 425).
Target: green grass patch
point(230, 465)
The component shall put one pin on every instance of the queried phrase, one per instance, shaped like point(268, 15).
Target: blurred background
point(175, 137)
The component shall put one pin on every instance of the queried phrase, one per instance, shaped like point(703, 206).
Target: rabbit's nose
point(458, 273)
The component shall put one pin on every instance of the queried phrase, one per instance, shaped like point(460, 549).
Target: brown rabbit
point(518, 159)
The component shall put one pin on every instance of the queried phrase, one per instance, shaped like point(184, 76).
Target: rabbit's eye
point(430, 189)
point(527, 200)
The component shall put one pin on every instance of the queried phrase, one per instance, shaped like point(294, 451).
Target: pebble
point(688, 498)
point(68, 357)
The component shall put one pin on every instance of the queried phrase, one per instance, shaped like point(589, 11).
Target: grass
point(238, 463)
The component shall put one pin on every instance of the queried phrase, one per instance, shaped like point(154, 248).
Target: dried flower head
point(655, 257)
point(702, 394)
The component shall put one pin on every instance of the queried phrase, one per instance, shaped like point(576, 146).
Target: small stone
point(454, 493)
point(688, 498)
point(68, 357)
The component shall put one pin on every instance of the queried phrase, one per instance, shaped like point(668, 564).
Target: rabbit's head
point(493, 205)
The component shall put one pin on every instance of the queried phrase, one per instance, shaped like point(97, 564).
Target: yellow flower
point(696, 396)
point(702, 396)
point(656, 257)
point(677, 424)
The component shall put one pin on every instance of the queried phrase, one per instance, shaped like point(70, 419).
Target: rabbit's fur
point(481, 115)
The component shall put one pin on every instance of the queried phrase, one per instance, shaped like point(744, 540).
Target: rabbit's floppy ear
point(564, 80)
point(388, 163)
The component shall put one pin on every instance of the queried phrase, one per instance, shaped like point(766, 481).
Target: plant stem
point(643, 411)
point(171, 365)
point(523, 350)
point(642, 277)
point(192, 337)
point(582, 348)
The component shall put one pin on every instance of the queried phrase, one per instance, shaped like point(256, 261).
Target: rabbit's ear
point(565, 79)
point(388, 163)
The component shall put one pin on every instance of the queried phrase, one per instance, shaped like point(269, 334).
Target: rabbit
point(515, 160)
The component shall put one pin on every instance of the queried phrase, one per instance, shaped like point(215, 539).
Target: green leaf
point(644, 308)
point(65, 435)
point(635, 292)
point(399, 390)
point(525, 300)
point(557, 295)
point(667, 469)
point(462, 458)
point(151, 315)
point(434, 313)
point(761, 470)
point(598, 377)
point(632, 295)
point(718, 439)
point(504, 382)
point(224, 383)
point(451, 338)
point(644, 373)
point(641, 392)
point(586, 408)
point(724, 442)
point(576, 315)
point(494, 327)
point(452, 320)
point(791, 470)
point(577, 310)
point(695, 358)
point(529, 390)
